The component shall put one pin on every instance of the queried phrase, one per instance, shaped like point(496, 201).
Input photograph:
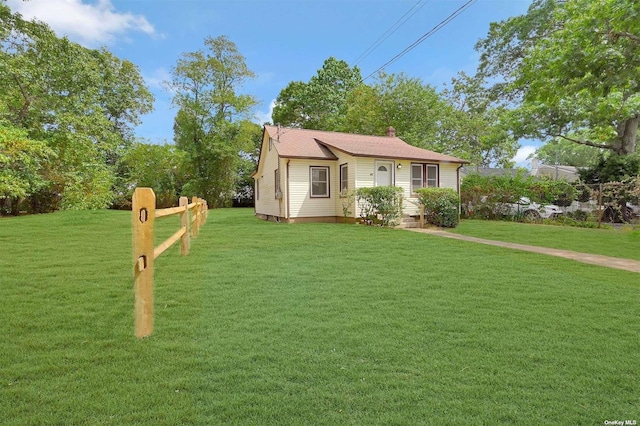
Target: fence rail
point(143, 214)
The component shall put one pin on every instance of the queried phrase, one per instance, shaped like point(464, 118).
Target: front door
point(384, 173)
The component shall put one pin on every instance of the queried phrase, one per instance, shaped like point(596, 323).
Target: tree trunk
point(627, 136)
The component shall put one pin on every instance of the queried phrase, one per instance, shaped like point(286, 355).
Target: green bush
point(380, 205)
point(441, 206)
point(485, 197)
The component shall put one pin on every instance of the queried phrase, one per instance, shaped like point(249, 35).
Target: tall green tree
point(209, 122)
point(571, 68)
point(82, 103)
point(473, 127)
point(413, 108)
point(321, 103)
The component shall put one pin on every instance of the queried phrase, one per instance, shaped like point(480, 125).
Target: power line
point(395, 27)
point(425, 36)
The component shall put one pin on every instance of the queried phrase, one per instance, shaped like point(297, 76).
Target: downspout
point(287, 191)
point(458, 185)
point(278, 184)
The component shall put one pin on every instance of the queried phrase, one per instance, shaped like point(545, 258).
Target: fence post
point(196, 216)
point(600, 210)
point(202, 211)
point(143, 217)
point(184, 223)
point(421, 215)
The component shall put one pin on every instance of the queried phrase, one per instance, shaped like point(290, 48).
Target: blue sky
point(281, 40)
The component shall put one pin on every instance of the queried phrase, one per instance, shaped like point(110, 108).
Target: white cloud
point(264, 117)
point(523, 153)
point(89, 24)
point(157, 78)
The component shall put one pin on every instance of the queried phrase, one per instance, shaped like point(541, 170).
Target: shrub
point(380, 205)
point(441, 206)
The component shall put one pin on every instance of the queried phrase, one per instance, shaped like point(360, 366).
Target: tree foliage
point(82, 103)
point(411, 107)
point(321, 103)
point(473, 126)
point(211, 124)
point(570, 68)
point(461, 121)
point(160, 167)
point(562, 151)
point(612, 168)
point(21, 164)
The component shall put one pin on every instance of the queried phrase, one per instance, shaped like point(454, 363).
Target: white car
point(532, 211)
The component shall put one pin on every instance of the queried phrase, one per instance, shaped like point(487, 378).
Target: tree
point(208, 125)
point(414, 109)
point(160, 167)
point(243, 193)
point(322, 102)
point(473, 126)
point(22, 162)
point(461, 121)
point(612, 168)
point(570, 68)
point(82, 103)
point(562, 151)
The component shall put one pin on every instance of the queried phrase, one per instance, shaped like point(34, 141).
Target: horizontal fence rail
point(143, 215)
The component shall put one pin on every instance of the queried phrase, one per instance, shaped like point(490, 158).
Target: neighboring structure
point(303, 174)
point(490, 171)
point(556, 172)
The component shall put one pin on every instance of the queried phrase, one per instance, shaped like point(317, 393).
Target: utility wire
point(425, 36)
point(395, 27)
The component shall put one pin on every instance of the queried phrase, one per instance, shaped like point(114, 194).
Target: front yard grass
point(267, 323)
point(623, 242)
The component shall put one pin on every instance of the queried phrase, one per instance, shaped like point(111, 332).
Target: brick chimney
point(391, 132)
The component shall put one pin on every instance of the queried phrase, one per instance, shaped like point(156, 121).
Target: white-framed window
point(416, 177)
point(276, 176)
point(344, 177)
point(319, 181)
point(432, 175)
point(424, 176)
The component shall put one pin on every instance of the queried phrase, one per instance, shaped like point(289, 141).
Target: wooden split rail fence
point(144, 213)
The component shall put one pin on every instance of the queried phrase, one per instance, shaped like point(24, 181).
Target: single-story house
point(302, 174)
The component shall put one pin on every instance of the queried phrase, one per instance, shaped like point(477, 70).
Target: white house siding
point(267, 204)
point(403, 180)
point(449, 175)
point(344, 158)
point(300, 202)
point(364, 172)
point(365, 178)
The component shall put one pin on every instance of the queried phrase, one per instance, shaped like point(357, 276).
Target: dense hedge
point(483, 195)
point(441, 206)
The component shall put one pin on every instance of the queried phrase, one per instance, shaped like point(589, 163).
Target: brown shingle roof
point(317, 144)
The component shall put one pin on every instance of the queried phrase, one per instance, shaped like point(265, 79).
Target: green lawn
point(623, 242)
point(314, 324)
